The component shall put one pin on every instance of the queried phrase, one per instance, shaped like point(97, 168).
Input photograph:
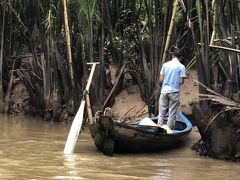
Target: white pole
point(78, 119)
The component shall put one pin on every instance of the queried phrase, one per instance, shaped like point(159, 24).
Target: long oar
point(77, 122)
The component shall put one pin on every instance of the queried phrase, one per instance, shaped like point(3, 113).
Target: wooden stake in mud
point(77, 122)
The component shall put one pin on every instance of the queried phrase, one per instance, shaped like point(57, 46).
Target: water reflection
point(33, 149)
point(71, 164)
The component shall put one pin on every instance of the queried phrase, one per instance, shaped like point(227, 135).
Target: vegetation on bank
point(45, 46)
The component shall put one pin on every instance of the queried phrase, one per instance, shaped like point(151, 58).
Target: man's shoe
point(169, 131)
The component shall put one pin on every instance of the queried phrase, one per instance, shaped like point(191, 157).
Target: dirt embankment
point(19, 101)
point(129, 103)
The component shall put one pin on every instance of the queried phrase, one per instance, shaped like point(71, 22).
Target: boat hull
point(112, 136)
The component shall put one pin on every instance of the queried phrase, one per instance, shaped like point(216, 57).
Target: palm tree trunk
point(102, 60)
point(1, 54)
point(214, 21)
point(170, 31)
point(68, 41)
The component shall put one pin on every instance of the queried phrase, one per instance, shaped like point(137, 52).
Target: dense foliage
point(35, 44)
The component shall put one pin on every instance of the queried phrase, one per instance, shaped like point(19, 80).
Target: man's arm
point(181, 80)
point(182, 75)
point(161, 78)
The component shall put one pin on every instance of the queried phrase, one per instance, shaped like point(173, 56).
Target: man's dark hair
point(177, 53)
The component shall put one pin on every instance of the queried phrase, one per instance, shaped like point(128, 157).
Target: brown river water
point(31, 148)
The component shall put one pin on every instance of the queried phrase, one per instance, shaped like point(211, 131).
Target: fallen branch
point(223, 48)
point(140, 111)
point(216, 97)
point(115, 85)
point(129, 111)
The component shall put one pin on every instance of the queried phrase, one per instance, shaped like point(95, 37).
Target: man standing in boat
point(172, 76)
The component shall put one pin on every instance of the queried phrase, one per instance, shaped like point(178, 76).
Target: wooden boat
point(114, 136)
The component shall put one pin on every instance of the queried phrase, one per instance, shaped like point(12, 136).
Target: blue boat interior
point(182, 124)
